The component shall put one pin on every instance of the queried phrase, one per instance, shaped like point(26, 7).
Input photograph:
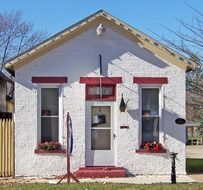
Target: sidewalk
point(140, 179)
point(143, 179)
point(197, 177)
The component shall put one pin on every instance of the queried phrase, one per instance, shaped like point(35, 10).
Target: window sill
point(42, 151)
point(145, 151)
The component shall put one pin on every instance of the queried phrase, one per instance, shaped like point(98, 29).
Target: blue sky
point(145, 15)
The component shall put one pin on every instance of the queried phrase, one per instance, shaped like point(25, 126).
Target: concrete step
point(100, 172)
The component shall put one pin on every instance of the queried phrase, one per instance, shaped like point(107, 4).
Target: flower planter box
point(49, 148)
point(42, 151)
point(150, 151)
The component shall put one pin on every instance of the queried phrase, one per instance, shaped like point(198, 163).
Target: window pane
point(93, 90)
point(108, 90)
point(150, 101)
point(101, 116)
point(49, 101)
point(100, 139)
point(150, 129)
point(49, 129)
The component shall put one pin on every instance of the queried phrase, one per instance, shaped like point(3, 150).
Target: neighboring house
point(62, 74)
point(194, 114)
point(6, 92)
point(194, 133)
point(194, 109)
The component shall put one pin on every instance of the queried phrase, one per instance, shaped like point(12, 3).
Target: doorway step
point(100, 172)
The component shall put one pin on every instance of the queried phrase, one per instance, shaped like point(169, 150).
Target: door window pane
point(101, 116)
point(100, 139)
point(101, 128)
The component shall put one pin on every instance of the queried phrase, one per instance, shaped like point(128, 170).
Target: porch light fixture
point(100, 30)
point(123, 105)
point(180, 121)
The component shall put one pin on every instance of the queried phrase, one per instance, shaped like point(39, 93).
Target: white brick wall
point(79, 57)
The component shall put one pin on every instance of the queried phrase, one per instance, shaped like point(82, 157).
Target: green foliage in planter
point(50, 145)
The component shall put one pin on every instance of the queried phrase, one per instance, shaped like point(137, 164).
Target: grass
point(102, 187)
point(194, 165)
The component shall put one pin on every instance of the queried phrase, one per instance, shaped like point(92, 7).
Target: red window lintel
point(102, 80)
point(49, 79)
point(150, 80)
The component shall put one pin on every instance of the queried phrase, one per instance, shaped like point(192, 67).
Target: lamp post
point(178, 121)
point(173, 167)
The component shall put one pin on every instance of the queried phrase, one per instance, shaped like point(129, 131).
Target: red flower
point(152, 146)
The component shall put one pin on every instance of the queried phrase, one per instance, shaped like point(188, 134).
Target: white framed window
point(50, 114)
point(151, 98)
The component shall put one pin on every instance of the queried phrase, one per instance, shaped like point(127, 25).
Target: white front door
point(99, 134)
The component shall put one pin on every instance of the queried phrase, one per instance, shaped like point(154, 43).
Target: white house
point(84, 70)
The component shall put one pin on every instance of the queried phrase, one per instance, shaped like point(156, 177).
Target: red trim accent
point(100, 172)
point(101, 168)
point(49, 79)
point(42, 151)
point(150, 80)
point(104, 80)
point(97, 97)
point(150, 151)
point(100, 99)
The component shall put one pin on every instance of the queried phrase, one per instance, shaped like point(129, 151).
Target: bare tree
point(188, 40)
point(16, 35)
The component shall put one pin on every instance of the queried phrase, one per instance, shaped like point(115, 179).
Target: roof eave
point(186, 63)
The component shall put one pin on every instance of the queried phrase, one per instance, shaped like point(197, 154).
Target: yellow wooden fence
point(6, 147)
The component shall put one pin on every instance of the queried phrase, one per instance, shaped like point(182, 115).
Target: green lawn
point(194, 165)
point(102, 187)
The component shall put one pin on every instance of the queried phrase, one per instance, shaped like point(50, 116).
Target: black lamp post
point(178, 121)
point(173, 167)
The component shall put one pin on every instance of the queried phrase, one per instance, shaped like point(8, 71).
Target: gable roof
point(143, 40)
